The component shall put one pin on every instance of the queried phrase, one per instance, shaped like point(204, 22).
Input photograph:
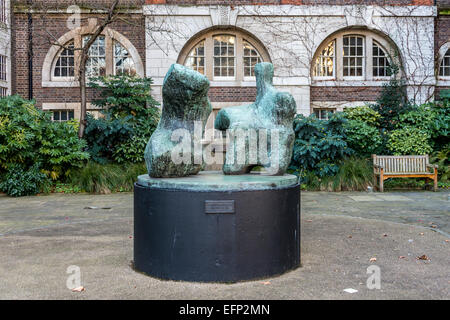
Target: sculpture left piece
point(186, 108)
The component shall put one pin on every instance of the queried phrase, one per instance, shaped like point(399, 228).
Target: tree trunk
point(82, 80)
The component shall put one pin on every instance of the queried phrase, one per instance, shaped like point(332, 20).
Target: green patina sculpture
point(268, 121)
point(185, 106)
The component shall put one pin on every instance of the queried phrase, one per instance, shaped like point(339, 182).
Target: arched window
point(224, 55)
point(444, 67)
point(350, 55)
point(110, 54)
point(65, 64)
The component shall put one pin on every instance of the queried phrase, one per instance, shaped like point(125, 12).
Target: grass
point(354, 175)
point(106, 178)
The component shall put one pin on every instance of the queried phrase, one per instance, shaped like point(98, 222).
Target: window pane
point(444, 68)
point(251, 58)
point(123, 62)
point(196, 58)
point(381, 62)
point(325, 62)
point(65, 63)
point(353, 56)
point(224, 54)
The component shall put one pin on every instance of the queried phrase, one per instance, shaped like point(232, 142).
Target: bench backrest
point(402, 163)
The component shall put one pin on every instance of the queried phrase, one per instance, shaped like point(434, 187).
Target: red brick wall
point(55, 25)
point(345, 93)
point(442, 35)
point(232, 94)
point(19, 58)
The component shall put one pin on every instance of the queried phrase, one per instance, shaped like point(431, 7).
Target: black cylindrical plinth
point(216, 236)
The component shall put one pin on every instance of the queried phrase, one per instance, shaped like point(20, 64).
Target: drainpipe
point(30, 50)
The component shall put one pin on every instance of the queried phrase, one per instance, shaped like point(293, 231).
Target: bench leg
point(435, 180)
point(381, 183)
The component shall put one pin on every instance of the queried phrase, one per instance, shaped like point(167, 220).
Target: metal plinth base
point(216, 236)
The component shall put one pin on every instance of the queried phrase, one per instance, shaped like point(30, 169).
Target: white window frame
point(368, 39)
point(115, 42)
point(319, 56)
point(196, 56)
point(328, 110)
point(59, 78)
point(441, 61)
point(363, 57)
point(60, 111)
point(249, 78)
point(225, 78)
point(388, 57)
point(239, 79)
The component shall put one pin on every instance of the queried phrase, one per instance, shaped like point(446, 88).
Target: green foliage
point(318, 145)
point(444, 95)
point(104, 135)
point(364, 114)
point(20, 181)
point(130, 117)
point(123, 95)
point(106, 178)
point(409, 141)
point(363, 138)
point(354, 175)
point(392, 102)
point(28, 136)
point(441, 158)
point(432, 118)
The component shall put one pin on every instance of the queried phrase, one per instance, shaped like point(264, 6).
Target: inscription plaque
point(219, 206)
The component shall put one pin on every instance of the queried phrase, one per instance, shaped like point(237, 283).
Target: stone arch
point(75, 35)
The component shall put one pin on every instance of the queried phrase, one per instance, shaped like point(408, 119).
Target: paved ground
point(40, 237)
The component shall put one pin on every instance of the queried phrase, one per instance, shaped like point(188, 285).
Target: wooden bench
point(402, 167)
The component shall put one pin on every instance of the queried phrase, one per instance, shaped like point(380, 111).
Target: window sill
point(349, 83)
point(443, 82)
point(60, 84)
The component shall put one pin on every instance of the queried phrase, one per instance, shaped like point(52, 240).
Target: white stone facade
point(5, 45)
point(292, 34)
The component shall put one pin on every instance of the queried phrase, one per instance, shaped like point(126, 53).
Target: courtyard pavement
point(342, 235)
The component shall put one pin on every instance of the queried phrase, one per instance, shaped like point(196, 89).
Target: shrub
point(363, 138)
point(131, 116)
point(441, 158)
point(19, 181)
point(318, 145)
point(104, 135)
point(409, 140)
point(124, 95)
point(28, 136)
point(392, 102)
point(364, 114)
point(354, 174)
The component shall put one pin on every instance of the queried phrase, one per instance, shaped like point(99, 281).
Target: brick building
point(328, 54)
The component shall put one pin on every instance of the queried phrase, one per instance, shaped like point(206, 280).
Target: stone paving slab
point(339, 237)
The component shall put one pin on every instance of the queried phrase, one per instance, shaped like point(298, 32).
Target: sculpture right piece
point(259, 134)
